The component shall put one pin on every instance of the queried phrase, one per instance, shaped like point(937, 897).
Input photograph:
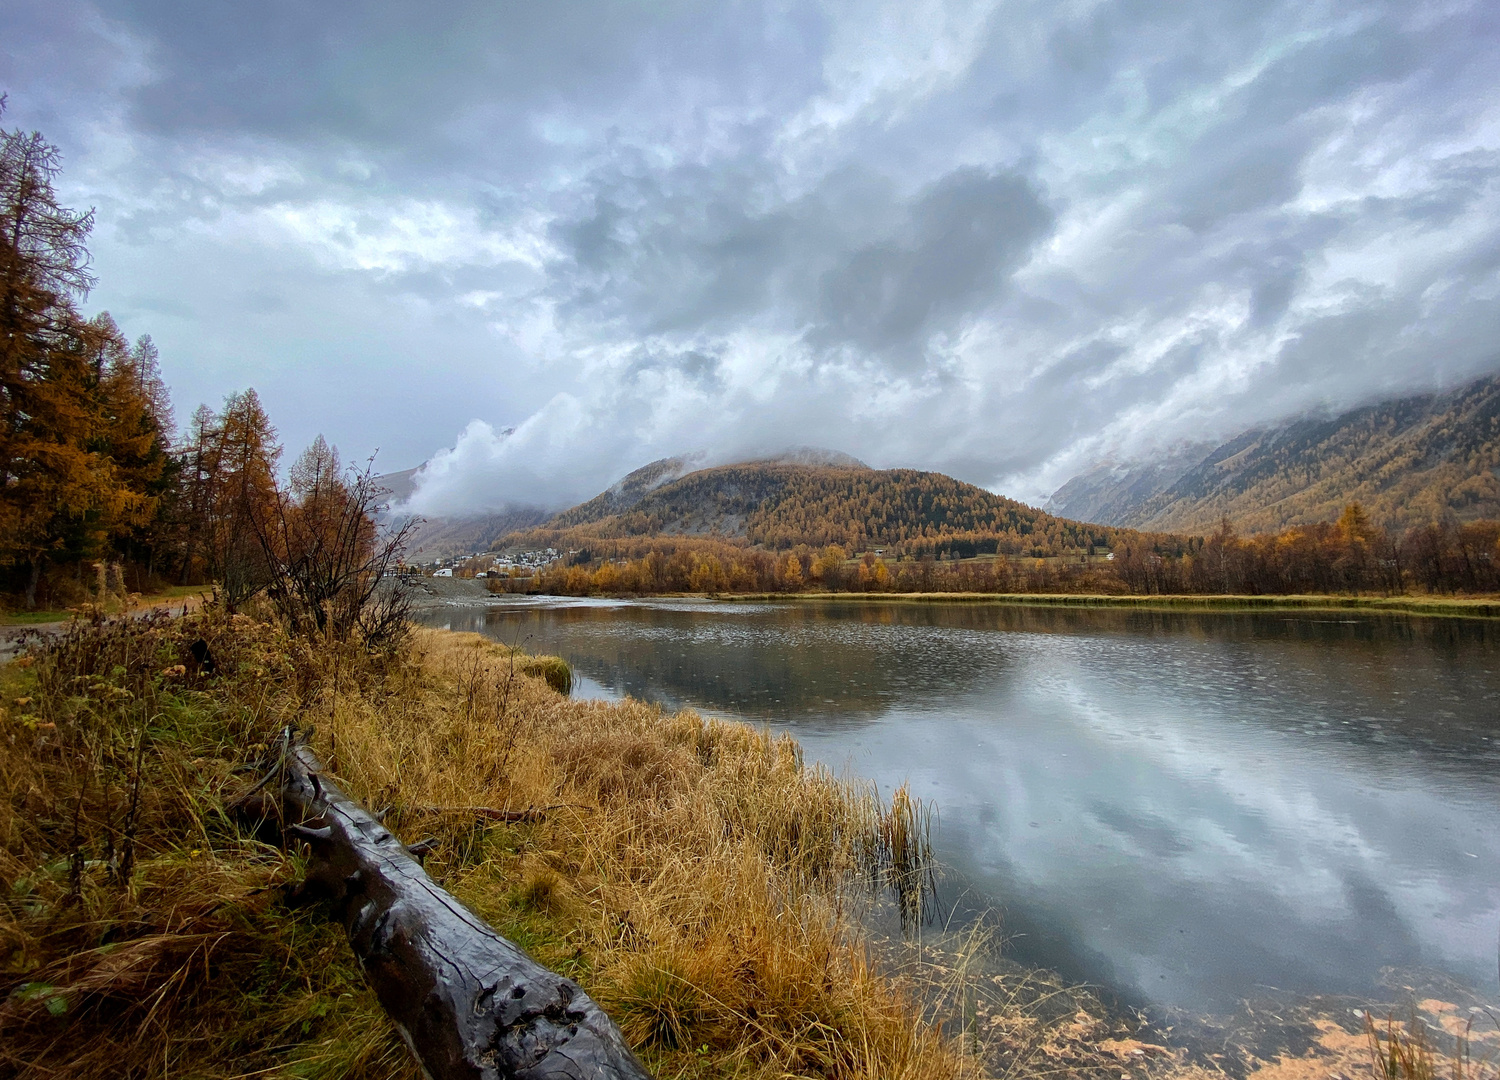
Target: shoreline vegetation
point(1350, 562)
point(712, 891)
point(700, 881)
point(1468, 607)
point(719, 897)
point(693, 875)
point(1482, 607)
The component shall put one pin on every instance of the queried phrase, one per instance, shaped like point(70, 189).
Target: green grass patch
point(32, 618)
point(137, 603)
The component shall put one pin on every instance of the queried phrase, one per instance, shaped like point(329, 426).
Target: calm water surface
point(1188, 809)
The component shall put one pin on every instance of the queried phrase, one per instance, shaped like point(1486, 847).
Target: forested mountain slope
point(636, 486)
point(778, 505)
point(1409, 461)
point(625, 494)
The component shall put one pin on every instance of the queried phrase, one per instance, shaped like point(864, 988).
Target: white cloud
point(739, 226)
point(403, 234)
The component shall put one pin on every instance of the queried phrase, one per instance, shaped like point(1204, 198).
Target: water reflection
point(1186, 807)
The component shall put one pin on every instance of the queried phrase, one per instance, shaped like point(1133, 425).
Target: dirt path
point(10, 636)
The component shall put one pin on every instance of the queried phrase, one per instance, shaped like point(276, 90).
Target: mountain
point(1112, 491)
point(453, 535)
point(400, 485)
point(626, 493)
point(1409, 461)
point(637, 486)
point(779, 503)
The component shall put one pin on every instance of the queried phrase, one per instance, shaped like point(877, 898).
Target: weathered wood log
point(470, 1004)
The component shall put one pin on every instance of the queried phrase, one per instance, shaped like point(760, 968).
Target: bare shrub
point(330, 563)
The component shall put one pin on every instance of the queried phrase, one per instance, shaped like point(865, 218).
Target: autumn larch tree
point(45, 474)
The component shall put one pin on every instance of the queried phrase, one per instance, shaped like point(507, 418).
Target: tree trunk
point(468, 1002)
point(31, 583)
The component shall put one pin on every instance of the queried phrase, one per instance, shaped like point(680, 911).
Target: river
point(1189, 810)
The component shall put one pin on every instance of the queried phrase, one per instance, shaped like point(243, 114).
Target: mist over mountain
point(446, 537)
point(447, 534)
point(1409, 461)
point(398, 485)
point(1000, 242)
point(1110, 492)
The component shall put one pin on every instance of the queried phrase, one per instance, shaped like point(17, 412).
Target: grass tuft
point(695, 876)
point(540, 891)
point(1406, 1051)
point(553, 670)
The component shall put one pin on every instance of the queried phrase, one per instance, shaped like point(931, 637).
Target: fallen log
point(470, 1004)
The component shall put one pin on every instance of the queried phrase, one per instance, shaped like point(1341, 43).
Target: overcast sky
point(1002, 240)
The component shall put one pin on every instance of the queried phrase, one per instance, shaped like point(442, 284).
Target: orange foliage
point(1351, 555)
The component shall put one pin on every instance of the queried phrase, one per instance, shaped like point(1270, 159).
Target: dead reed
point(141, 933)
point(696, 876)
point(1407, 1051)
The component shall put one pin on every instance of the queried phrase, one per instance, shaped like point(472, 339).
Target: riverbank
point(706, 886)
point(429, 593)
point(1483, 607)
point(698, 880)
point(1486, 607)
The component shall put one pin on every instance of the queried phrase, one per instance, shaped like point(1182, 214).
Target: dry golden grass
point(1405, 1050)
point(702, 882)
point(695, 876)
point(141, 933)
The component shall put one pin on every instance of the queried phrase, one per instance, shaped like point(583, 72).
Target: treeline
point(716, 566)
point(86, 430)
point(99, 496)
point(1351, 555)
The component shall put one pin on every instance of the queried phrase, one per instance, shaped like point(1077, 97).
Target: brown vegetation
point(779, 507)
point(695, 876)
point(1409, 461)
point(1349, 556)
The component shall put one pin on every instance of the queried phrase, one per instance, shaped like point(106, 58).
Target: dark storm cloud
point(405, 77)
point(682, 260)
point(963, 236)
point(1001, 240)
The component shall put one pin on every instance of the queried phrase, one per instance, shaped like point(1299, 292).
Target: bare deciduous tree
point(330, 562)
